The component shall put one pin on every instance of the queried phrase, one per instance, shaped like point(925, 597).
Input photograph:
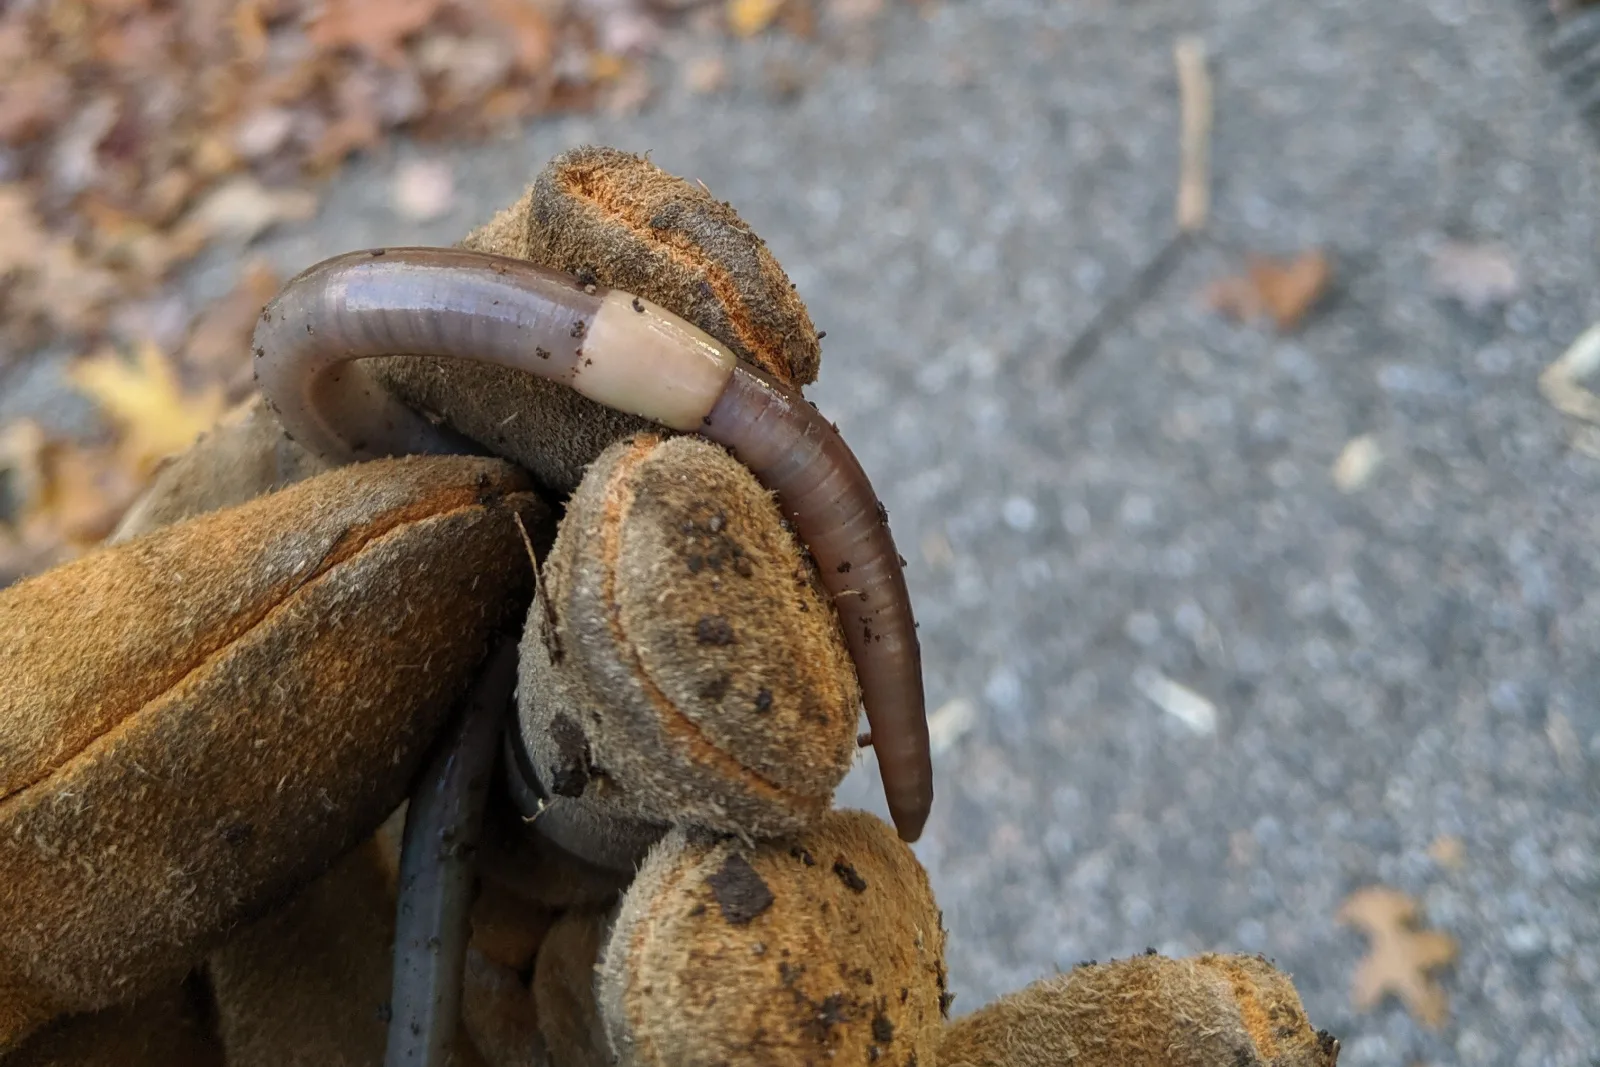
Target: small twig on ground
point(1194, 206)
point(1115, 311)
point(1195, 108)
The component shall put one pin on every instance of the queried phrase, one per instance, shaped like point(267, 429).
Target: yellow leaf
point(746, 18)
point(605, 67)
point(65, 498)
point(148, 404)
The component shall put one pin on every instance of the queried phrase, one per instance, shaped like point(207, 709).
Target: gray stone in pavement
point(1412, 659)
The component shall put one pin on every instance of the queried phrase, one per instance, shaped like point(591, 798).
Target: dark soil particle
point(713, 630)
point(715, 689)
point(828, 1014)
point(571, 772)
point(739, 891)
point(849, 876)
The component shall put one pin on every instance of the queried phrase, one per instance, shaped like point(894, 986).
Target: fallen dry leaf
point(798, 19)
point(1477, 276)
point(22, 445)
point(631, 92)
point(21, 232)
point(60, 498)
point(44, 280)
point(242, 209)
point(606, 66)
point(149, 405)
point(855, 12)
point(707, 74)
point(1283, 290)
point(136, 133)
point(1400, 959)
point(378, 27)
point(86, 493)
point(1448, 851)
point(746, 18)
point(530, 30)
point(63, 497)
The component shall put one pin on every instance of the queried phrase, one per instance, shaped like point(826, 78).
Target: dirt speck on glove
point(825, 947)
point(1147, 1011)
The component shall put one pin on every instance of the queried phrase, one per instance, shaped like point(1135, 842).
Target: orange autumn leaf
point(529, 29)
point(378, 27)
point(64, 498)
point(746, 18)
point(1400, 959)
point(1283, 290)
point(67, 497)
point(42, 276)
point(119, 171)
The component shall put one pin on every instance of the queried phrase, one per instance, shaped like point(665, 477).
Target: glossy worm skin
point(443, 825)
point(627, 354)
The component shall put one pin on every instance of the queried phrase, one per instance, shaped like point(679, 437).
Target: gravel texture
point(1409, 659)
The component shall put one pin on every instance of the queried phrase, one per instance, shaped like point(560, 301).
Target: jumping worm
point(443, 823)
point(630, 355)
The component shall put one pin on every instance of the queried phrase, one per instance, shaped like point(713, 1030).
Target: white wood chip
point(1353, 468)
point(1560, 381)
point(950, 722)
point(1179, 701)
point(1195, 109)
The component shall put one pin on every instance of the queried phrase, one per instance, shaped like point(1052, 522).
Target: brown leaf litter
point(1282, 290)
point(1401, 958)
point(138, 133)
point(1476, 276)
point(62, 496)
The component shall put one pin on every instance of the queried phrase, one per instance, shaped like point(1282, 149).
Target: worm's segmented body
point(630, 355)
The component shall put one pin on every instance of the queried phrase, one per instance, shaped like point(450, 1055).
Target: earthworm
point(630, 355)
point(437, 858)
